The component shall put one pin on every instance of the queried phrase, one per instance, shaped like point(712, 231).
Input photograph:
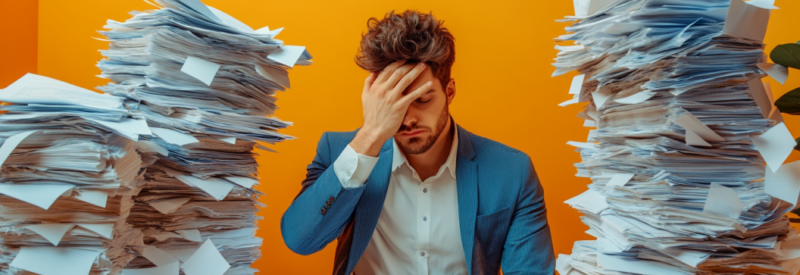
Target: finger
point(386, 72)
point(397, 75)
point(407, 99)
point(368, 82)
point(407, 79)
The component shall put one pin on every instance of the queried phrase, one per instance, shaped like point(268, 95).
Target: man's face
point(426, 117)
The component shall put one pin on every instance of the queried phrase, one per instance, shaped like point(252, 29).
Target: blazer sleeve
point(308, 225)
point(528, 248)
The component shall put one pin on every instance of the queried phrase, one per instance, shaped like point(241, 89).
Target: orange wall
point(18, 39)
point(504, 51)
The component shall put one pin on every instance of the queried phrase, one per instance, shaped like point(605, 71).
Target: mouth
point(412, 133)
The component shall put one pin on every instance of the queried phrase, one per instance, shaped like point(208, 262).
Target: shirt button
point(424, 190)
point(422, 253)
point(424, 218)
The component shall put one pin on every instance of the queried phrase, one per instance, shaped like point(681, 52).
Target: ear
point(450, 91)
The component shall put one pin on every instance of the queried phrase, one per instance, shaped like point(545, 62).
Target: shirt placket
point(423, 227)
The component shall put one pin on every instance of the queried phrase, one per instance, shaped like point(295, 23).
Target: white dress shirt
point(418, 230)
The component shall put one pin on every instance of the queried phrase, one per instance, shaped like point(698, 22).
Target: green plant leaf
point(790, 102)
point(787, 55)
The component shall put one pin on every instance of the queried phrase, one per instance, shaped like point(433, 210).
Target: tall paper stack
point(677, 161)
point(206, 84)
point(69, 169)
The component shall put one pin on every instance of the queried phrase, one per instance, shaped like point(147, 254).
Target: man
point(411, 192)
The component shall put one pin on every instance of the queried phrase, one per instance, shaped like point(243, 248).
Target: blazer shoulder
point(487, 149)
point(337, 141)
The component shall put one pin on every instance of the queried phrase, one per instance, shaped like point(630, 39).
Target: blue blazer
point(501, 211)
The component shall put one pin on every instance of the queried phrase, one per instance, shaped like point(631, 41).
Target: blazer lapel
point(467, 189)
point(369, 207)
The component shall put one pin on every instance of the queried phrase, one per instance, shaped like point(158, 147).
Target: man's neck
point(427, 164)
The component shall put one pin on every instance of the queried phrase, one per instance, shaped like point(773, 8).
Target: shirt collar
point(398, 158)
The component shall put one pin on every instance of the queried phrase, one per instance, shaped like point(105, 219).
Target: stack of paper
point(686, 135)
point(69, 169)
point(206, 84)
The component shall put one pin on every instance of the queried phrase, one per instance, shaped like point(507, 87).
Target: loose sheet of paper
point(55, 260)
point(276, 75)
point(242, 181)
point(775, 145)
point(95, 197)
point(636, 98)
point(723, 201)
point(690, 122)
point(200, 69)
point(748, 19)
point(577, 84)
point(778, 72)
point(287, 55)
point(785, 183)
point(157, 256)
point(168, 269)
point(11, 143)
point(169, 206)
point(760, 96)
point(33, 88)
point(217, 188)
point(174, 137)
point(206, 261)
point(620, 179)
point(52, 232)
point(40, 195)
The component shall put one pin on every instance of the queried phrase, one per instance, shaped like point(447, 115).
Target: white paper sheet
point(42, 196)
point(600, 98)
point(201, 8)
point(694, 139)
point(242, 181)
point(105, 230)
point(11, 143)
point(690, 122)
point(636, 98)
point(191, 234)
point(748, 19)
point(52, 232)
point(55, 260)
point(775, 145)
point(228, 20)
point(157, 256)
point(217, 188)
point(620, 179)
point(723, 201)
point(130, 128)
point(589, 123)
point(200, 69)
point(206, 261)
point(151, 146)
point(174, 137)
point(95, 197)
point(636, 266)
point(231, 140)
point(577, 84)
point(287, 55)
point(785, 183)
point(574, 100)
point(169, 269)
point(276, 75)
point(169, 206)
point(182, 254)
point(759, 94)
point(778, 72)
point(584, 145)
point(32, 88)
point(590, 200)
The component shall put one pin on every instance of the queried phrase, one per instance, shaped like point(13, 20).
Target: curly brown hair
point(411, 35)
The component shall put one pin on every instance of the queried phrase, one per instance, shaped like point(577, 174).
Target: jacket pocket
point(490, 234)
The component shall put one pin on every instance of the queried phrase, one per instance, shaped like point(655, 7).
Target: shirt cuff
point(353, 168)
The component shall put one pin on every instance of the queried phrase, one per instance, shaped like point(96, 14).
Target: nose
point(410, 120)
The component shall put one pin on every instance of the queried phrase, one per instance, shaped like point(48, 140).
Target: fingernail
point(422, 65)
point(429, 83)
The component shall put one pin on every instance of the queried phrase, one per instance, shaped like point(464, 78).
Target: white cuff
point(353, 168)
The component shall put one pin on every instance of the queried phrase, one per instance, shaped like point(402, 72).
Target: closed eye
point(419, 100)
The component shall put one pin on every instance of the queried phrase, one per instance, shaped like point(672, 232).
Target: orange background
point(504, 89)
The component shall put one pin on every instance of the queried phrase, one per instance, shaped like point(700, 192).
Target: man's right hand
point(385, 105)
